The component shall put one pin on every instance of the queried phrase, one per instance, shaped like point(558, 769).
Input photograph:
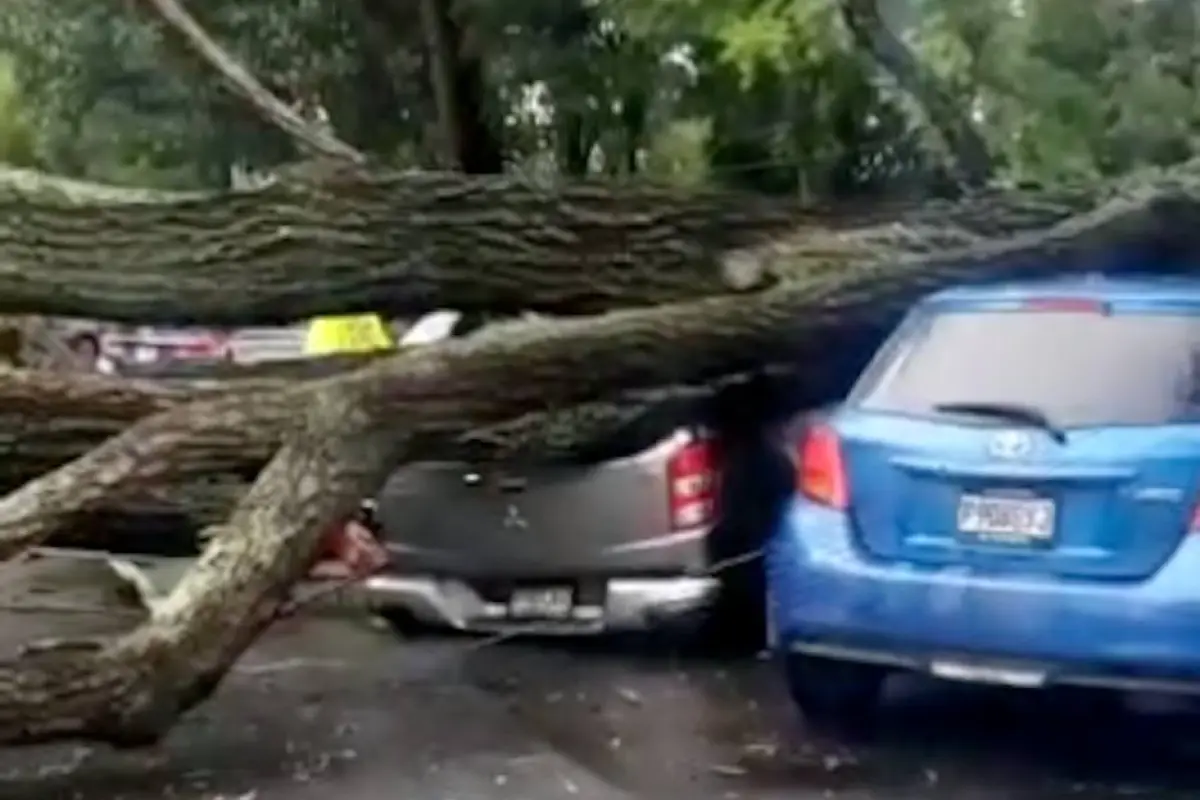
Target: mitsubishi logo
point(1011, 445)
point(513, 519)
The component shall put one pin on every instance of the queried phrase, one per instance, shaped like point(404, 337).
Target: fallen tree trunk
point(476, 243)
point(168, 519)
point(129, 690)
point(356, 426)
point(534, 367)
point(49, 419)
point(417, 240)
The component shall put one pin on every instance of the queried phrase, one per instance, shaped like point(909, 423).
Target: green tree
point(17, 144)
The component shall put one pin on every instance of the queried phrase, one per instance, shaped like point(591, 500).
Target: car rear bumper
point(828, 598)
point(627, 604)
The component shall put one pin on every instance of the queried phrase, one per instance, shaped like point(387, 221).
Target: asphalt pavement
point(329, 707)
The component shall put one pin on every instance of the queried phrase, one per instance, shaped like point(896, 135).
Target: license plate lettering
point(542, 603)
point(1005, 519)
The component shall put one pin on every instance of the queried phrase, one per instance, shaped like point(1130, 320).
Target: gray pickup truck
point(633, 539)
point(617, 545)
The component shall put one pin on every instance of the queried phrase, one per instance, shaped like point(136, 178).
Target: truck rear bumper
point(628, 604)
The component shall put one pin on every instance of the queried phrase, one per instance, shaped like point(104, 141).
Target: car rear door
point(1106, 490)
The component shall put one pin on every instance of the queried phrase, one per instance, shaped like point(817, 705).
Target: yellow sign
point(353, 333)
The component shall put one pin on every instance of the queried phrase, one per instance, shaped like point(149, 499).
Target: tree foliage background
point(761, 94)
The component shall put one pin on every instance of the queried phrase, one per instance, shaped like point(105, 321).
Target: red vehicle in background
point(161, 345)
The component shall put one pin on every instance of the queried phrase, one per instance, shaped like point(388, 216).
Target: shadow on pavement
point(655, 724)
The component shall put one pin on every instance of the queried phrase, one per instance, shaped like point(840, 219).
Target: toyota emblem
point(513, 519)
point(1011, 444)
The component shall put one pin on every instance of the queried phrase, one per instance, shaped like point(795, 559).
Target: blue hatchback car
point(1007, 496)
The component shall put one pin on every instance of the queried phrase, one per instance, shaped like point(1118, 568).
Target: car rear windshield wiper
point(1014, 412)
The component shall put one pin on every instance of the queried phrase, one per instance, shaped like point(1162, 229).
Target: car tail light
point(1076, 304)
point(692, 485)
point(1194, 525)
point(821, 472)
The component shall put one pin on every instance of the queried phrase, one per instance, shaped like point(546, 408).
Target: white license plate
point(990, 674)
point(553, 602)
point(1006, 519)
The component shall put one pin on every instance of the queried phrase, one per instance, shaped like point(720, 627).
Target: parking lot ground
point(326, 707)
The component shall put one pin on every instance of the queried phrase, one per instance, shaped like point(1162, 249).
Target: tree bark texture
point(336, 437)
point(129, 690)
point(398, 244)
point(402, 243)
point(963, 141)
point(50, 418)
point(449, 392)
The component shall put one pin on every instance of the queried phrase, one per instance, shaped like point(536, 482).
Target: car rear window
point(1077, 368)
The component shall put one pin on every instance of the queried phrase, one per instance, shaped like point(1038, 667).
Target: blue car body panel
point(1116, 591)
point(824, 589)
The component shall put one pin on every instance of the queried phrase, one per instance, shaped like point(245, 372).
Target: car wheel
point(842, 696)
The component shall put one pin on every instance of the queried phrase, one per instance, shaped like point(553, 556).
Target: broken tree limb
point(315, 139)
point(950, 119)
point(196, 439)
point(443, 392)
point(128, 691)
point(1155, 225)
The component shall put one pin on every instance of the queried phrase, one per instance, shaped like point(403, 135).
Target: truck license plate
point(552, 602)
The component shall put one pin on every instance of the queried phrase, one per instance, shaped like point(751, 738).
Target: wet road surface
point(329, 707)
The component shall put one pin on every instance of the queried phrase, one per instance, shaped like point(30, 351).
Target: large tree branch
point(416, 242)
point(445, 392)
point(130, 690)
point(359, 425)
point(317, 140)
point(422, 241)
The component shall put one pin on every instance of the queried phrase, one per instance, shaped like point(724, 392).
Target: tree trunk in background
point(456, 72)
point(963, 142)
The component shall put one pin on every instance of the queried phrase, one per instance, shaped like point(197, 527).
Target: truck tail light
point(692, 485)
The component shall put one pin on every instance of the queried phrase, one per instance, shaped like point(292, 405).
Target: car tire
point(839, 696)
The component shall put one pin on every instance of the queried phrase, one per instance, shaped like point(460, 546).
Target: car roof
point(1101, 288)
